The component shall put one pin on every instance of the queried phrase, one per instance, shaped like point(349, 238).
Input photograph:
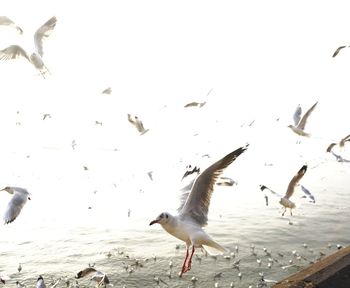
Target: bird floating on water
point(284, 200)
point(4, 20)
point(14, 207)
point(16, 51)
point(193, 211)
point(299, 125)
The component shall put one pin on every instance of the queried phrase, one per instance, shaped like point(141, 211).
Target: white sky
point(261, 58)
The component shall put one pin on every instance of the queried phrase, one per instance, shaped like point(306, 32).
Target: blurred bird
point(16, 51)
point(299, 125)
point(338, 50)
point(40, 282)
point(98, 276)
point(341, 143)
point(308, 194)
point(195, 104)
point(138, 124)
point(19, 268)
point(107, 91)
point(14, 207)
point(193, 211)
point(46, 115)
point(4, 20)
point(284, 200)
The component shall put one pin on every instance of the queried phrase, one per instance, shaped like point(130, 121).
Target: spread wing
point(4, 20)
point(330, 147)
point(294, 181)
point(308, 194)
point(303, 120)
point(342, 141)
point(13, 52)
point(190, 175)
point(43, 32)
point(263, 188)
point(337, 51)
point(85, 272)
point(297, 115)
point(15, 206)
point(197, 203)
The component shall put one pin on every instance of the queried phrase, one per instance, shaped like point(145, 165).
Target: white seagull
point(16, 51)
point(193, 211)
point(4, 20)
point(341, 143)
point(299, 125)
point(14, 207)
point(284, 200)
point(40, 282)
point(138, 124)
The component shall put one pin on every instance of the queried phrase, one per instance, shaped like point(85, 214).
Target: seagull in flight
point(299, 125)
point(14, 207)
point(193, 211)
point(284, 200)
point(138, 124)
point(341, 143)
point(98, 276)
point(4, 20)
point(338, 50)
point(16, 51)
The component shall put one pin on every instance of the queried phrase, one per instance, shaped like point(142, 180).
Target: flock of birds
point(192, 215)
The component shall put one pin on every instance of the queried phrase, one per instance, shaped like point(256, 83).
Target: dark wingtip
point(78, 275)
point(303, 169)
point(262, 187)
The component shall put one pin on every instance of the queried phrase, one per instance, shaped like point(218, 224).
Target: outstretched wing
point(4, 20)
point(13, 52)
point(15, 206)
point(263, 188)
point(197, 204)
point(43, 32)
point(294, 181)
point(338, 50)
point(297, 115)
point(308, 194)
point(303, 120)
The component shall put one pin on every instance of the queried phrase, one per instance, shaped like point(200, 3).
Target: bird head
point(162, 219)
point(8, 189)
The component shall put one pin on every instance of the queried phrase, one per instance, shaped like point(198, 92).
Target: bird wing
point(297, 115)
point(43, 32)
point(330, 147)
point(4, 20)
point(13, 52)
point(15, 206)
point(303, 120)
point(294, 181)
point(198, 200)
point(308, 193)
point(263, 187)
point(85, 272)
point(191, 175)
point(337, 51)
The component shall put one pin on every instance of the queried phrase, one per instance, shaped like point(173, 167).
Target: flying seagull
point(193, 211)
point(98, 276)
point(4, 20)
point(341, 143)
point(299, 126)
point(16, 51)
point(138, 124)
point(107, 91)
point(338, 50)
point(284, 200)
point(14, 207)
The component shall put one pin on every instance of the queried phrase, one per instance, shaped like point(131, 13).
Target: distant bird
point(225, 181)
point(338, 50)
point(98, 123)
point(14, 207)
point(16, 51)
point(341, 143)
point(284, 200)
point(4, 20)
point(298, 127)
point(20, 285)
point(98, 276)
point(193, 211)
point(4, 278)
point(107, 91)
point(138, 124)
point(308, 194)
point(46, 115)
point(339, 158)
point(195, 104)
point(40, 282)
point(19, 268)
point(150, 175)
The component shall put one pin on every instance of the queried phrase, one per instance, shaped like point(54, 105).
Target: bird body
point(40, 282)
point(193, 211)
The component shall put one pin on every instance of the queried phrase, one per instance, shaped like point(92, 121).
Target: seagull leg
point(190, 260)
point(291, 213)
point(184, 264)
point(284, 211)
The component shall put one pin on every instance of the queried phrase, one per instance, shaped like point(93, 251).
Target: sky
point(260, 58)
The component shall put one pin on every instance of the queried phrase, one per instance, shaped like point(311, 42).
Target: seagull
point(225, 181)
point(40, 282)
point(308, 194)
point(99, 277)
point(341, 143)
point(193, 211)
point(138, 124)
point(4, 20)
point(299, 126)
point(16, 51)
point(14, 207)
point(338, 50)
point(195, 104)
point(107, 91)
point(284, 200)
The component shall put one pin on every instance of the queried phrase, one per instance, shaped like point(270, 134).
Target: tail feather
point(213, 248)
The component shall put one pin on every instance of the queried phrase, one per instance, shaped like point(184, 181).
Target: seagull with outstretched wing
point(299, 127)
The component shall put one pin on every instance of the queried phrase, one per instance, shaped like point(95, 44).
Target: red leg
point(184, 264)
point(190, 260)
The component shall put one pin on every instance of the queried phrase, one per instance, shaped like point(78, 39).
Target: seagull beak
point(153, 222)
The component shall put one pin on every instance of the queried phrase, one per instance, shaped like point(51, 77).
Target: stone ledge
point(332, 271)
